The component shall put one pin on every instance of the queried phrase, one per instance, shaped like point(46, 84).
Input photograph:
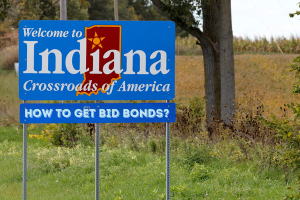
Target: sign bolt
point(25, 59)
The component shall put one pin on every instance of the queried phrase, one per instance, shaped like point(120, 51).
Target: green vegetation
point(255, 159)
point(200, 169)
point(13, 12)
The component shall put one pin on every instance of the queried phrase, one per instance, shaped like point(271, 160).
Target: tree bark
point(226, 62)
point(211, 57)
point(209, 83)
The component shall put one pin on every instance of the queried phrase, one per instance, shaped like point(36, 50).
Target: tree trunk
point(226, 62)
point(211, 57)
point(209, 83)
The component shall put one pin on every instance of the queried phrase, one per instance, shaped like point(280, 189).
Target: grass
point(63, 173)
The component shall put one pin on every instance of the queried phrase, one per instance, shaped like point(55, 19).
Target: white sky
point(265, 18)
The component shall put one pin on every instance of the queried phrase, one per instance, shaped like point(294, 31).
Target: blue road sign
point(96, 60)
point(97, 112)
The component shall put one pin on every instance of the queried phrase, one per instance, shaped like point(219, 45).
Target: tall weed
point(9, 56)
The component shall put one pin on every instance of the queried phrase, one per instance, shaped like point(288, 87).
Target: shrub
point(133, 140)
point(189, 118)
point(67, 135)
point(200, 172)
point(294, 192)
point(153, 145)
point(197, 155)
point(8, 36)
point(10, 57)
point(287, 132)
point(287, 129)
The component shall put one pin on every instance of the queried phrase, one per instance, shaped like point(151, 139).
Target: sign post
point(116, 10)
point(97, 143)
point(168, 159)
point(63, 14)
point(24, 159)
point(96, 60)
point(63, 9)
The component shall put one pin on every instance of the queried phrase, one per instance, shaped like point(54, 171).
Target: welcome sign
point(96, 60)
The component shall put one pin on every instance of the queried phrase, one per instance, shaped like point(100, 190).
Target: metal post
point(63, 14)
point(168, 159)
point(116, 10)
point(24, 160)
point(97, 160)
point(63, 10)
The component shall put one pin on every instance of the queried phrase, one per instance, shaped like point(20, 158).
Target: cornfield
point(188, 46)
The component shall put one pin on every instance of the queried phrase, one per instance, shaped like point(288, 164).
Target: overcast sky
point(265, 18)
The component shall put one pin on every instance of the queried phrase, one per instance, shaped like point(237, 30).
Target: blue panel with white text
point(96, 60)
point(97, 112)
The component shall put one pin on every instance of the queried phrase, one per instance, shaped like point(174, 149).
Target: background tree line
point(14, 11)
